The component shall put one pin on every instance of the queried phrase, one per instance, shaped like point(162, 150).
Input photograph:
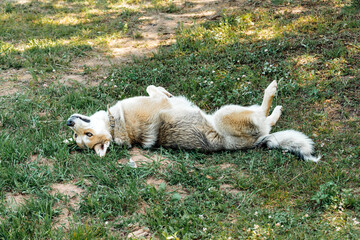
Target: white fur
point(293, 141)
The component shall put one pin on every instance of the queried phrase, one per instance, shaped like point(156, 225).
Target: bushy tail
point(291, 140)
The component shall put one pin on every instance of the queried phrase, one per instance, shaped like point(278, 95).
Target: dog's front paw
point(122, 142)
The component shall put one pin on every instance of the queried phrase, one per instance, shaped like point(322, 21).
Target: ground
point(60, 57)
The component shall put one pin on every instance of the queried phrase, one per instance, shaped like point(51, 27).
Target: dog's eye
point(75, 135)
point(89, 134)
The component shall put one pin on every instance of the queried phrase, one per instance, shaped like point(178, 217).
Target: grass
point(312, 52)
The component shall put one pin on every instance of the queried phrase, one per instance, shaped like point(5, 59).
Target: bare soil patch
point(140, 233)
point(41, 161)
point(155, 182)
point(13, 81)
point(73, 193)
point(227, 166)
point(169, 188)
point(140, 157)
point(14, 200)
point(229, 189)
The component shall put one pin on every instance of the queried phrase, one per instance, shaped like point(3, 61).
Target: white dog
point(161, 119)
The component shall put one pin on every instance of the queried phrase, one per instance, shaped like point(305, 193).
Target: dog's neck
point(111, 122)
point(117, 128)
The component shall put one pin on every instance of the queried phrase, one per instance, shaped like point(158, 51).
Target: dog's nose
point(70, 122)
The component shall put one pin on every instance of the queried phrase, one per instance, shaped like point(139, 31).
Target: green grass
point(314, 54)
point(46, 36)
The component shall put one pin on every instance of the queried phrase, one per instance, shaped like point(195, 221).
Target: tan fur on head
point(91, 132)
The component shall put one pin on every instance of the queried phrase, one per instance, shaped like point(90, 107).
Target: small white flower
point(266, 50)
point(256, 213)
point(256, 226)
point(338, 229)
point(270, 216)
point(132, 163)
point(201, 216)
point(213, 71)
point(204, 229)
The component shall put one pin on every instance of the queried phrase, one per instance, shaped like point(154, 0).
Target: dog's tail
point(292, 141)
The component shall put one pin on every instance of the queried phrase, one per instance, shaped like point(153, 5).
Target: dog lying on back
point(162, 119)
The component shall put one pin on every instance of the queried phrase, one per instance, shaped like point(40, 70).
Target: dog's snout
point(70, 122)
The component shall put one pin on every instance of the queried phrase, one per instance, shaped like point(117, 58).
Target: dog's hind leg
point(157, 92)
point(274, 117)
point(268, 97)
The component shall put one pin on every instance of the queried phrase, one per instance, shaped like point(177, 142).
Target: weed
point(330, 196)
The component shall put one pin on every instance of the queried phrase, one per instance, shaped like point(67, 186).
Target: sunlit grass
point(311, 50)
point(63, 20)
point(59, 36)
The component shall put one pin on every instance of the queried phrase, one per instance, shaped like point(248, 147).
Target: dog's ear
point(101, 148)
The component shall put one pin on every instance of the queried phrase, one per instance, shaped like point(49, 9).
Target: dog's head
point(92, 132)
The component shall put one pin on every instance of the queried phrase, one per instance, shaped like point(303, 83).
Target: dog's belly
point(188, 130)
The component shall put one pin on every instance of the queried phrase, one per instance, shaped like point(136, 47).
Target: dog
point(162, 119)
